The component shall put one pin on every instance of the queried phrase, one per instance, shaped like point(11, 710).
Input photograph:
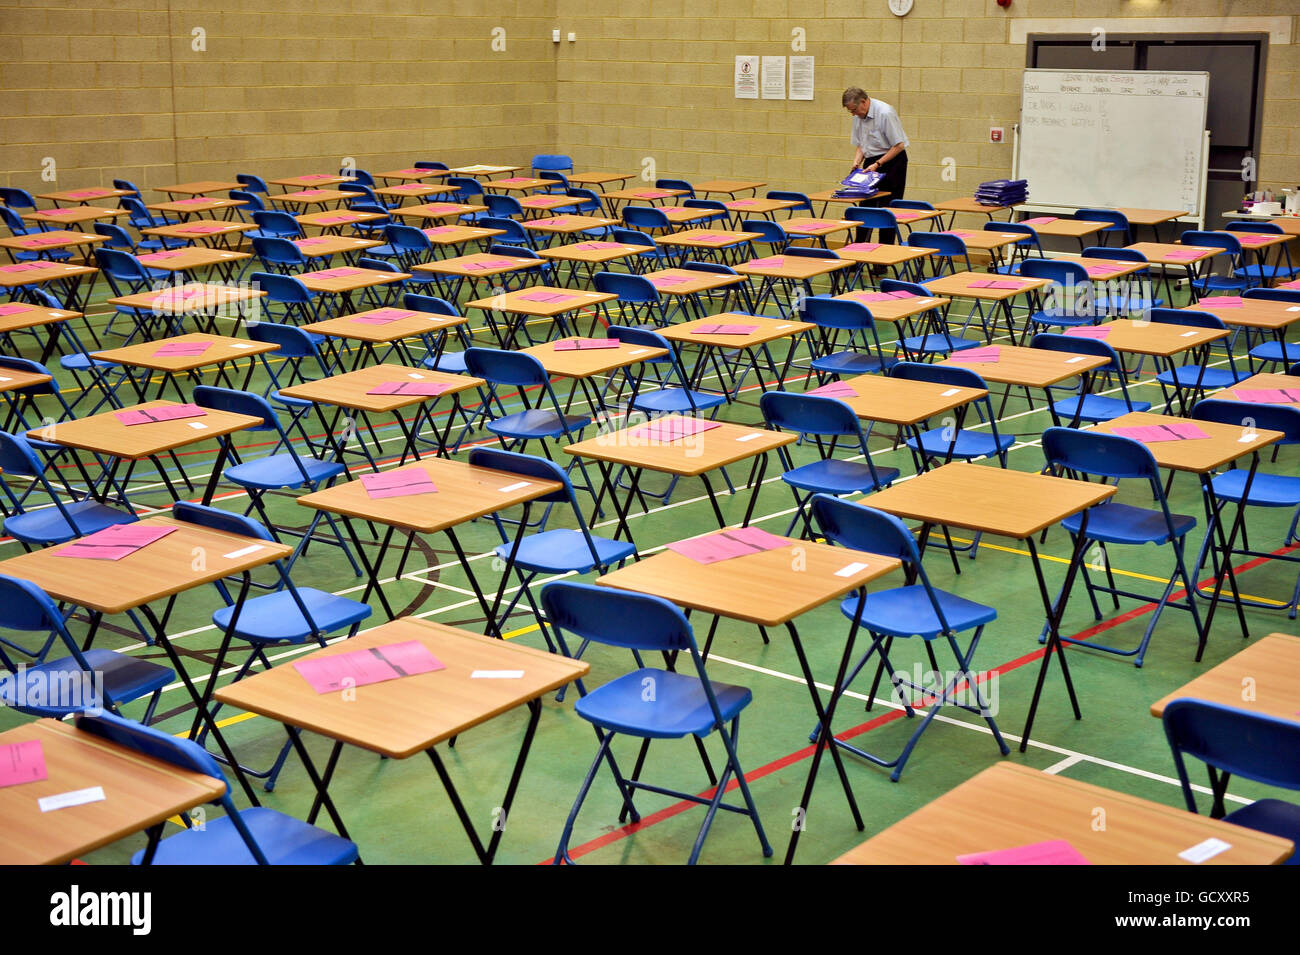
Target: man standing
point(879, 144)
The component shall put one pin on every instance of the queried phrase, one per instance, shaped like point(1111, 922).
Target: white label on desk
point(750, 437)
point(1294, 308)
point(638, 351)
point(779, 327)
point(1204, 850)
point(243, 552)
point(415, 375)
point(1012, 235)
point(1076, 358)
point(497, 675)
point(76, 798)
point(1187, 334)
point(949, 393)
point(198, 426)
point(241, 344)
point(851, 569)
point(5, 379)
point(517, 486)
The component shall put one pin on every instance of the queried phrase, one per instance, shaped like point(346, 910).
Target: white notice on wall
point(773, 77)
point(746, 77)
point(801, 77)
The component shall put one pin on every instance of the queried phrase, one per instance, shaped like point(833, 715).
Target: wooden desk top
point(54, 239)
point(806, 225)
point(585, 362)
point(759, 206)
point(1195, 455)
point(139, 792)
point(901, 401)
point(728, 186)
point(1157, 338)
point(20, 315)
point(690, 456)
point(413, 189)
point(910, 216)
point(167, 566)
point(104, 434)
point(681, 215)
point(517, 302)
point(769, 588)
point(400, 718)
point(464, 493)
point(960, 284)
point(477, 265)
point(518, 184)
point(482, 169)
point(550, 203)
point(36, 273)
point(196, 230)
point(598, 178)
point(311, 181)
point(415, 173)
point(645, 193)
point(592, 251)
point(790, 266)
point(201, 187)
point(313, 197)
point(1101, 270)
point(1264, 382)
point(84, 195)
point(1158, 253)
point(456, 234)
point(336, 217)
point(188, 298)
point(881, 253)
point(1251, 313)
point(73, 214)
point(15, 379)
point(1069, 228)
point(980, 497)
point(438, 210)
point(564, 225)
point(220, 349)
point(894, 309)
point(196, 204)
point(355, 279)
point(968, 204)
point(320, 246)
point(1259, 240)
point(349, 390)
point(1150, 216)
point(707, 238)
point(692, 281)
point(1263, 678)
point(417, 323)
point(190, 257)
point(985, 240)
point(768, 330)
point(1031, 367)
point(1010, 805)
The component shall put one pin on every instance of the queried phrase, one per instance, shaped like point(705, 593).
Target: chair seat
point(290, 402)
point(125, 678)
point(283, 839)
point(678, 706)
point(1048, 320)
point(537, 423)
point(281, 470)
point(1098, 408)
point(1266, 273)
point(908, 612)
point(835, 476)
point(84, 363)
point(1272, 351)
point(969, 444)
point(1116, 523)
point(276, 617)
point(452, 362)
point(932, 343)
point(1221, 283)
point(676, 401)
point(1274, 816)
point(852, 363)
point(48, 526)
point(560, 551)
point(1186, 376)
point(1267, 490)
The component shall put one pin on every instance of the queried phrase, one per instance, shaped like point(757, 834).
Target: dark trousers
point(894, 183)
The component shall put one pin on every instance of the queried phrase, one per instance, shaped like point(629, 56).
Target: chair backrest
point(900, 285)
point(859, 527)
point(940, 375)
point(590, 205)
point(252, 183)
point(1251, 416)
point(809, 414)
point(717, 268)
point(517, 251)
point(910, 204)
point(17, 198)
point(811, 252)
point(213, 518)
point(429, 164)
point(128, 185)
point(1255, 746)
point(943, 244)
point(118, 238)
point(1289, 295)
point(805, 204)
point(237, 402)
point(513, 231)
point(17, 456)
point(1213, 240)
point(1191, 318)
point(428, 303)
point(140, 217)
point(361, 205)
point(379, 265)
point(1261, 227)
point(503, 206)
point(871, 217)
point(274, 251)
point(408, 239)
point(633, 237)
point(617, 618)
point(13, 221)
point(1029, 232)
point(467, 187)
point(676, 184)
point(282, 289)
point(501, 367)
point(1100, 455)
point(552, 162)
point(253, 201)
point(645, 217)
point(358, 176)
point(842, 314)
point(293, 342)
point(121, 266)
point(278, 223)
point(25, 606)
point(360, 189)
point(629, 288)
point(1072, 278)
point(770, 233)
point(1079, 346)
point(1113, 252)
point(555, 176)
point(526, 465)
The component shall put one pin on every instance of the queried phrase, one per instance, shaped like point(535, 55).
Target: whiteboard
point(1105, 139)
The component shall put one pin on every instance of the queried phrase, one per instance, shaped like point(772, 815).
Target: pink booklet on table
point(1182, 254)
point(667, 281)
point(312, 192)
point(182, 349)
point(39, 241)
point(836, 389)
point(1102, 269)
point(439, 229)
point(308, 243)
point(488, 264)
point(724, 545)
point(336, 220)
point(22, 763)
point(363, 667)
point(316, 176)
point(1040, 220)
point(114, 542)
point(710, 237)
point(981, 356)
point(671, 429)
point(860, 247)
point(152, 415)
point(1268, 396)
point(55, 212)
point(1221, 301)
point(196, 201)
point(597, 246)
point(962, 234)
point(771, 262)
point(584, 344)
point(383, 316)
point(1088, 331)
point(1001, 285)
point(14, 308)
point(333, 273)
point(739, 203)
point(403, 483)
point(25, 267)
point(1055, 852)
point(202, 228)
point(872, 297)
point(652, 194)
point(426, 388)
point(551, 298)
point(724, 330)
point(162, 256)
point(1174, 431)
point(88, 194)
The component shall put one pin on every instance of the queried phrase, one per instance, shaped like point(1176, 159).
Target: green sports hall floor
point(397, 811)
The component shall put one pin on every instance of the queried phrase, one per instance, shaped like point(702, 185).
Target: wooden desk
point(689, 285)
point(712, 240)
point(728, 187)
point(1261, 383)
point(332, 222)
point(1030, 367)
point(200, 188)
point(888, 255)
point(766, 590)
point(1271, 665)
point(17, 274)
point(413, 190)
point(1264, 315)
point(482, 169)
point(518, 184)
point(314, 197)
point(195, 205)
point(567, 225)
point(762, 207)
point(214, 233)
point(328, 246)
point(961, 285)
point(806, 227)
point(192, 258)
point(1077, 229)
point(473, 268)
point(969, 204)
point(465, 493)
point(894, 309)
point(83, 196)
point(644, 194)
point(140, 792)
point(1164, 342)
point(766, 330)
point(684, 215)
point(415, 173)
point(400, 718)
point(1175, 254)
point(548, 203)
point(348, 392)
point(72, 215)
point(597, 179)
point(312, 181)
point(908, 404)
point(394, 334)
point(51, 240)
point(589, 255)
point(827, 196)
point(220, 351)
point(160, 309)
point(784, 272)
point(344, 285)
point(522, 304)
point(986, 241)
point(584, 363)
point(1010, 805)
point(459, 235)
point(1014, 504)
point(438, 210)
point(1101, 270)
point(20, 316)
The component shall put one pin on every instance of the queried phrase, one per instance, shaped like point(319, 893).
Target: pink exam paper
point(982, 356)
point(772, 261)
point(202, 228)
point(585, 344)
point(739, 202)
point(1183, 254)
point(335, 220)
point(1055, 852)
point(312, 192)
point(382, 316)
point(1269, 396)
point(56, 212)
point(961, 233)
point(836, 389)
point(403, 483)
point(1102, 269)
point(1222, 301)
point(491, 264)
point(652, 194)
point(671, 429)
point(1088, 331)
point(152, 415)
point(415, 172)
point(514, 179)
point(14, 308)
point(161, 256)
point(873, 297)
point(88, 194)
point(315, 176)
point(441, 230)
point(45, 240)
point(334, 273)
point(667, 281)
point(22, 763)
point(724, 545)
point(553, 298)
point(363, 667)
point(1174, 431)
point(25, 267)
point(860, 247)
point(196, 201)
point(1293, 286)
point(430, 389)
point(1041, 220)
point(593, 246)
point(114, 542)
point(307, 243)
point(724, 330)
point(182, 349)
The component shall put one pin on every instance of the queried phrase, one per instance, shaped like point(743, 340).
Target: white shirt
point(879, 132)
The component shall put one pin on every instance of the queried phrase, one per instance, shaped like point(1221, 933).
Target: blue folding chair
point(1116, 224)
point(653, 258)
point(254, 836)
point(1230, 742)
point(873, 218)
point(1194, 378)
point(951, 441)
point(287, 292)
point(804, 204)
point(846, 341)
point(1070, 300)
point(1024, 250)
point(1114, 457)
point(502, 207)
point(1261, 273)
point(561, 181)
point(128, 185)
point(1276, 351)
point(16, 198)
point(274, 224)
point(280, 255)
point(1126, 296)
point(551, 162)
point(638, 300)
point(828, 423)
point(1228, 245)
point(252, 183)
point(917, 609)
point(298, 358)
point(650, 703)
point(935, 338)
point(648, 219)
point(676, 184)
point(1089, 407)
